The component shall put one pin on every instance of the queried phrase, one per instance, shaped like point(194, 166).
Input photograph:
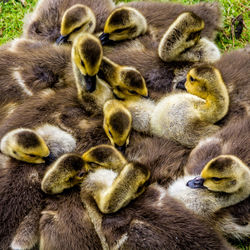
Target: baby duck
point(117, 123)
point(122, 24)
point(182, 42)
point(25, 145)
point(134, 19)
point(126, 82)
point(185, 117)
point(105, 175)
point(50, 19)
point(223, 182)
point(77, 19)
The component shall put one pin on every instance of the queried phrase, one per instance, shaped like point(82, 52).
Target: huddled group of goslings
point(122, 127)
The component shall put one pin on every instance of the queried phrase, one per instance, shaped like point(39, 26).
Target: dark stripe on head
point(133, 79)
point(119, 122)
point(221, 164)
point(74, 16)
point(101, 154)
point(119, 17)
point(91, 51)
point(28, 139)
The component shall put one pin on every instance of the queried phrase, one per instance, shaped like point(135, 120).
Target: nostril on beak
point(181, 84)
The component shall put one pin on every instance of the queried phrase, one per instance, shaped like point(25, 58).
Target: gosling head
point(104, 156)
point(123, 23)
point(204, 81)
point(25, 145)
point(117, 124)
point(87, 55)
point(77, 19)
point(66, 172)
point(129, 83)
point(226, 174)
point(183, 33)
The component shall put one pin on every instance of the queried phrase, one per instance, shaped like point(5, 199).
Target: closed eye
point(110, 134)
point(132, 92)
point(82, 63)
point(216, 179)
point(119, 30)
point(192, 79)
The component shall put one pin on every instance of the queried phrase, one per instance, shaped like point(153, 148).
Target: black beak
point(181, 85)
point(62, 39)
point(104, 38)
point(145, 96)
point(90, 83)
point(197, 182)
point(121, 148)
point(49, 159)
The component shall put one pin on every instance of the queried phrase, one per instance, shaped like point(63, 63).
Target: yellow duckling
point(77, 19)
point(107, 176)
point(182, 42)
point(117, 124)
point(122, 24)
point(187, 117)
point(25, 145)
point(50, 18)
point(184, 117)
point(126, 81)
point(223, 182)
point(66, 172)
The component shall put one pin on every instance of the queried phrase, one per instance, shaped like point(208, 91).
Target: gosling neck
point(98, 97)
point(216, 105)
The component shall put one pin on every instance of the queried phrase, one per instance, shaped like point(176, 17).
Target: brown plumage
point(28, 67)
point(233, 139)
point(65, 223)
point(20, 193)
point(44, 23)
point(161, 77)
point(161, 15)
point(155, 221)
point(234, 67)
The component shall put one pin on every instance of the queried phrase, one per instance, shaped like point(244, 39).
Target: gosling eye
point(132, 92)
point(93, 164)
point(215, 179)
point(31, 155)
point(110, 134)
point(82, 63)
point(192, 79)
point(119, 30)
point(81, 174)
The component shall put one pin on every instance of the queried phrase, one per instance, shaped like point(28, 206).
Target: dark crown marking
point(119, 17)
point(92, 51)
point(74, 161)
point(119, 122)
point(28, 139)
point(133, 79)
point(75, 16)
point(221, 164)
point(102, 154)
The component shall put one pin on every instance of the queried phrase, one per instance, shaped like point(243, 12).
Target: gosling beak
point(90, 83)
point(121, 148)
point(145, 96)
point(62, 39)
point(197, 182)
point(181, 85)
point(49, 159)
point(104, 38)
